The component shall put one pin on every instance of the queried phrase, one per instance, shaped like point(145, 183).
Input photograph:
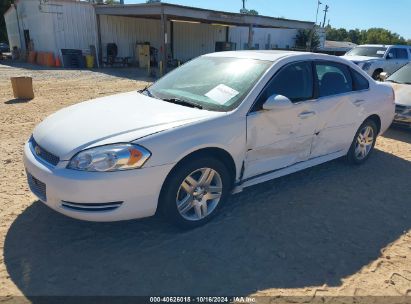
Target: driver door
point(279, 138)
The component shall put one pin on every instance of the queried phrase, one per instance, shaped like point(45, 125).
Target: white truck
point(375, 59)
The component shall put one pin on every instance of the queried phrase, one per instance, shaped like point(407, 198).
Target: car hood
point(361, 58)
point(402, 93)
point(113, 119)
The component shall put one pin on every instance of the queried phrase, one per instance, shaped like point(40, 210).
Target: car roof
point(275, 55)
point(385, 45)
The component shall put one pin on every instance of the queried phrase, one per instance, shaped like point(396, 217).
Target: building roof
point(180, 12)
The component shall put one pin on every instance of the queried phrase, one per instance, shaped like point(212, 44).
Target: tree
point(303, 38)
point(246, 11)
point(4, 6)
point(372, 36)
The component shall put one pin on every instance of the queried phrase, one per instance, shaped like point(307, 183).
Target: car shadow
point(310, 228)
point(398, 133)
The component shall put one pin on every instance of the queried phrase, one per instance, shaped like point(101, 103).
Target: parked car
point(217, 124)
point(401, 83)
point(4, 47)
point(375, 59)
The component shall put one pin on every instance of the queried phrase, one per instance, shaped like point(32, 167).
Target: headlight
point(117, 157)
point(366, 66)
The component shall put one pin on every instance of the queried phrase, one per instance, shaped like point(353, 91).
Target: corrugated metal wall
point(55, 25)
point(264, 38)
point(38, 23)
point(127, 31)
point(12, 28)
point(74, 26)
point(192, 40)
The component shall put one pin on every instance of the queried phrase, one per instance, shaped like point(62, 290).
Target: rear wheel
point(363, 143)
point(194, 192)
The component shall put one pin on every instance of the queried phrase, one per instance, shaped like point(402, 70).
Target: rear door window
point(333, 78)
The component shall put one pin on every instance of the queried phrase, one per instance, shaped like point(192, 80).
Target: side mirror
point(383, 76)
point(277, 102)
point(390, 56)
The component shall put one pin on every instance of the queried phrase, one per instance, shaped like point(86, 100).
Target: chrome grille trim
point(42, 153)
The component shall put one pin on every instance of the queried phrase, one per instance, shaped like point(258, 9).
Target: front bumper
point(402, 120)
point(85, 195)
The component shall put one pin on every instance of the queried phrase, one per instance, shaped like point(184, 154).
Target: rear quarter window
point(359, 81)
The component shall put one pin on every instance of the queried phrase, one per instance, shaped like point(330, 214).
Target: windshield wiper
point(146, 90)
point(183, 102)
point(390, 80)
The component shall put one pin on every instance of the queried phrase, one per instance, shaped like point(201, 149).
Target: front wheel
point(363, 143)
point(194, 192)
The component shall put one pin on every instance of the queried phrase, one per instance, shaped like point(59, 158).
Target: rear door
point(338, 108)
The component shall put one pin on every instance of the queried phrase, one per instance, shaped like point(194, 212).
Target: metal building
point(177, 32)
point(51, 25)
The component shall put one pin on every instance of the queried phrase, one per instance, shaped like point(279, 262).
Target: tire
point(362, 145)
point(200, 187)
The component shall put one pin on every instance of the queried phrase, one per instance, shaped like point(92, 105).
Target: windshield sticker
point(380, 52)
point(222, 94)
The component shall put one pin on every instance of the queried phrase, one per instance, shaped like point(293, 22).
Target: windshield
point(368, 51)
point(403, 75)
point(214, 83)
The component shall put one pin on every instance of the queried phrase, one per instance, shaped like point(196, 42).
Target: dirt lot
point(333, 230)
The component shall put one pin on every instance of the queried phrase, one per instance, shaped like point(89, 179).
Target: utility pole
point(318, 7)
point(325, 13)
point(243, 4)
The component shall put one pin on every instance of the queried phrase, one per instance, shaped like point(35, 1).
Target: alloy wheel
point(199, 194)
point(364, 142)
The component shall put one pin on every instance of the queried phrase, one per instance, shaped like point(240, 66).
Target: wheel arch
point(217, 153)
point(376, 119)
point(377, 72)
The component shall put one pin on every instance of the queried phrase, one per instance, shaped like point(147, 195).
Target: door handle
point(359, 102)
point(307, 114)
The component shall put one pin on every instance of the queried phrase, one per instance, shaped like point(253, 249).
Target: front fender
point(169, 147)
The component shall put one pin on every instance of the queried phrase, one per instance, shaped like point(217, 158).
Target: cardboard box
point(22, 87)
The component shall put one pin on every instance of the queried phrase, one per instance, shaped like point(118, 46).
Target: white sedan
point(212, 127)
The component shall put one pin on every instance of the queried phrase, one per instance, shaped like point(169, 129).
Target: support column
point(250, 36)
point(99, 46)
point(164, 41)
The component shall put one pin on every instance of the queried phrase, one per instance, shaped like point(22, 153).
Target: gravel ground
point(329, 231)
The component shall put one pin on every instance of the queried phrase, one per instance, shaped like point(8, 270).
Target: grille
point(97, 207)
point(400, 108)
point(43, 154)
point(37, 187)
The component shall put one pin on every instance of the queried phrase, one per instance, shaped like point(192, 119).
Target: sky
point(393, 15)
